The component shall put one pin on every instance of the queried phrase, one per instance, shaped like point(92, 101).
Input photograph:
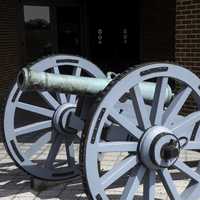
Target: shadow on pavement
point(15, 183)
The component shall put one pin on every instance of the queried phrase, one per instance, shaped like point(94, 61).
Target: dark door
point(114, 34)
point(68, 30)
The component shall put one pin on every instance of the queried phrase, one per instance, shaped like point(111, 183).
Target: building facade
point(113, 36)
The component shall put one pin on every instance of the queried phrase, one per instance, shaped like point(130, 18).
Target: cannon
point(134, 121)
point(30, 80)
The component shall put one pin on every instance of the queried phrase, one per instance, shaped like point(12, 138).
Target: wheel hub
point(61, 118)
point(159, 148)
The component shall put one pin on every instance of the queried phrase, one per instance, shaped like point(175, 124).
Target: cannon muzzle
point(32, 80)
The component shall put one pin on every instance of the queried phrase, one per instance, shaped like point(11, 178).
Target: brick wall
point(8, 48)
point(8, 45)
point(188, 34)
point(187, 46)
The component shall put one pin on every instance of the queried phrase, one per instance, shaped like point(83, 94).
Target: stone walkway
point(16, 185)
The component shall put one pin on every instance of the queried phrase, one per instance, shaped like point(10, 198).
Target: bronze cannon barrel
point(32, 80)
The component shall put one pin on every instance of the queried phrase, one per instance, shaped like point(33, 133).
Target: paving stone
point(25, 195)
point(15, 184)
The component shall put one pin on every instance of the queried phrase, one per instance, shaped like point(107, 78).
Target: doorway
point(114, 30)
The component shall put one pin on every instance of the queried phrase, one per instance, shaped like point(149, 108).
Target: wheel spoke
point(71, 98)
point(117, 171)
point(187, 170)
point(53, 152)
point(61, 96)
point(35, 109)
point(191, 192)
point(77, 71)
point(192, 146)
point(140, 108)
point(126, 123)
point(49, 99)
point(159, 101)
point(133, 184)
point(56, 70)
point(176, 105)
point(149, 185)
point(117, 147)
point(169, 184)
point(191, 119)
point(33, 127)
point(38, 145)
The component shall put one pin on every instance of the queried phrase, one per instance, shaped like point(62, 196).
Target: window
point(37, 31)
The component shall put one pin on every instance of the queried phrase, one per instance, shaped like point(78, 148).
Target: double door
point(114, 31)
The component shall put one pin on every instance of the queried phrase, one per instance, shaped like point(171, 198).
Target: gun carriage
point(130, 115)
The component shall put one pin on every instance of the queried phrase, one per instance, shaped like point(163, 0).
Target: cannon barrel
point(32, 80)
